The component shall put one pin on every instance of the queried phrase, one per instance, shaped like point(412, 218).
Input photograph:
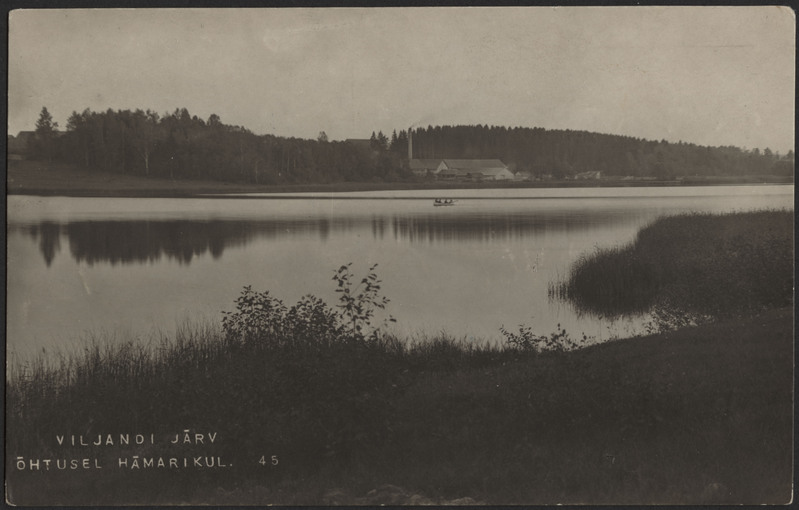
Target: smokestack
point(410, 144)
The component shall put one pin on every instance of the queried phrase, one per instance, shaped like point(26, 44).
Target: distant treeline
point(564, 153)
point(182, 146)
point(178, 145)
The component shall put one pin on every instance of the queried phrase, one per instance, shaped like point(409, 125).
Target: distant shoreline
point(37, 178)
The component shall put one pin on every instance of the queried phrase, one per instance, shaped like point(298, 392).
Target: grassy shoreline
point(41, 178)
point(700, 415)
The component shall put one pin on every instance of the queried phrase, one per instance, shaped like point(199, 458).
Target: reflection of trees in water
point(378, 227)
point(49, 236)
point(121, 242)
point(148, 241)
point(495, 227)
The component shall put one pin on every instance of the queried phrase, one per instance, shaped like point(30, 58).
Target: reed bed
point(703, 265)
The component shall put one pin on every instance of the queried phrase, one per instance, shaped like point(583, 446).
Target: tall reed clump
point(609, 282)
point(705, 265)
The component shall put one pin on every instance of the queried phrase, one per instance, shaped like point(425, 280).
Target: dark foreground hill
point(701, 415)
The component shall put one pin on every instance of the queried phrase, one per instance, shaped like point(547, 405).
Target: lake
point(129, 267)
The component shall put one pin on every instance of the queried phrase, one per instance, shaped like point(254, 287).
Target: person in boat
point(438, 200)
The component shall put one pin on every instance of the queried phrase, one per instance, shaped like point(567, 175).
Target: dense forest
point(178, 145)
point(564, 153)
point(182, 146)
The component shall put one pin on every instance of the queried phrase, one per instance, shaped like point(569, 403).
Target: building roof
point(20, 142)
point(494, 171)
point(474, 164)
point(424, 164)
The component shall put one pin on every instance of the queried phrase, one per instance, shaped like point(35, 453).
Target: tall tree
point(78, 134)
point(45, 124)
point(382, 141)
point(145, 127)
point(45, 134)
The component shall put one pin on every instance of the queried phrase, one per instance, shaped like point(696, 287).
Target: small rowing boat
point(439, 202)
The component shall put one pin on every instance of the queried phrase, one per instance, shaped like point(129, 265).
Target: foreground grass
point(698, 415)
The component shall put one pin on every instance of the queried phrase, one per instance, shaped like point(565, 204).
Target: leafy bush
point(257, 315)
point(262, 318)
point(358, 304)
point(311, 319)
point(526, 340)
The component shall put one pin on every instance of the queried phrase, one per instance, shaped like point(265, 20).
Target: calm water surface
point(134, 266)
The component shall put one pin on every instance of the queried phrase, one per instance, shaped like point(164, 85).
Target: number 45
point(263, 460)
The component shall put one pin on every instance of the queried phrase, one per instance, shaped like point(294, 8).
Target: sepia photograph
point(405, 256)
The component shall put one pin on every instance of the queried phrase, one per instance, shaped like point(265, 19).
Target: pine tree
point(45, 134)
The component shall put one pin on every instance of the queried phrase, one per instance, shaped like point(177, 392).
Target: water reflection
point(140, 242)
point(488, 227)
point(48, 235)
point(466, 270)
point(148, 241)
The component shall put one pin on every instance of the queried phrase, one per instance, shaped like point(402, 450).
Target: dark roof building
point(422, 167)
point(19, 144)
point(481, 169)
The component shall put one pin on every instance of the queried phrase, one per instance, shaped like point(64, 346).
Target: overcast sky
point(707, 75)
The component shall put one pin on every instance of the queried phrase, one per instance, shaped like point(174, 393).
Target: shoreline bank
point(45, 179)
point(658, 418)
